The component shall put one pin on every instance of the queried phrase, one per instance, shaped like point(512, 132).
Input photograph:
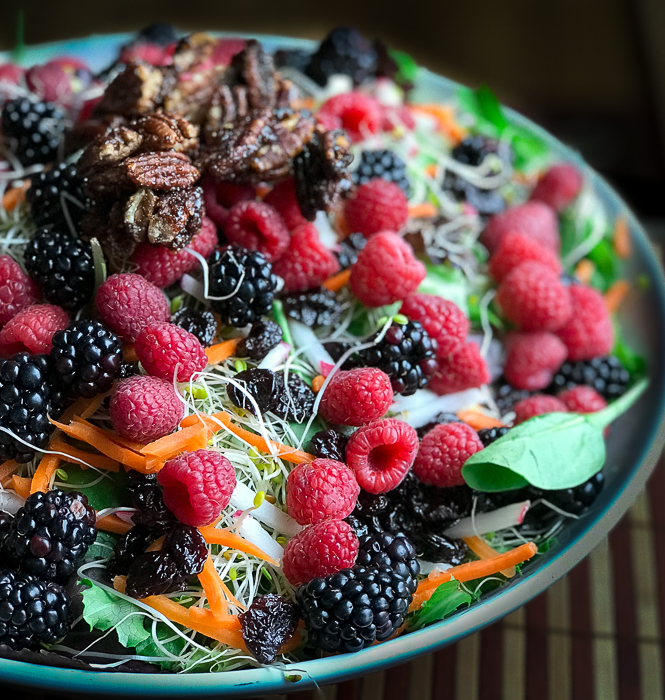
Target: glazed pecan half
point(161, 170)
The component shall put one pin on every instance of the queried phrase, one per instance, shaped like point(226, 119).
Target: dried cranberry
point(260, 384)
point(187, 548)
point(146, 495)
point(131, 545)
point(154, 573)
point(262, 338)
point(329, 444)
point(267, 625)
point(293, 401)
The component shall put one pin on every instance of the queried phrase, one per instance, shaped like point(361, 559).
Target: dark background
point(591, 71)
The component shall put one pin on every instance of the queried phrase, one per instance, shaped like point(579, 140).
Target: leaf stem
point(603, 418)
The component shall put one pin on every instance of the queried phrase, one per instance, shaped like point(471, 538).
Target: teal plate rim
point(585, 534)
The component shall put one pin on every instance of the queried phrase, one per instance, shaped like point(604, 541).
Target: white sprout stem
point(493, 521)
point(251, 530)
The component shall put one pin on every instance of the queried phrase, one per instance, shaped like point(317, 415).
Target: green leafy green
point(607, 265)
point(148, 646)
point(108, 491)
point(554, 451)
point(102, 546)
point(632, 361)
point(447, 282)
point(489, 107)
point(445, 600)
point(103, 610)
point(407, 68)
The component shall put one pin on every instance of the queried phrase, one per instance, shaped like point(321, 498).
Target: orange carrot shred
point(214, 535)
point(84, 408)
point(7, 469)
point(221, 351)
point(15, 196)
point(84, 459)
point(432, 169)
point(445, 118)
point(422, 211)
point(186, 440)
point(483, 551)
point(21, 484)
point(317, 383)
point(129, 353)
point(478, 420)
point(210, 581)
point(336, 282)
point(616, 295)
point(112, 523)
point(42, 476)
point(621, 241)
point(584, 270)
point(157, 545)
point(117, 439)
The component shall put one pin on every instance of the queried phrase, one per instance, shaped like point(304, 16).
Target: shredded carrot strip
point(472, 570)
point(21, 484)
point(422, 211)
point(210, 581)
point(220, 352)
point(7, 469)
point(203, 617)
point(157, 545)
point(42, 476)
point(84, 408)
point(84, 459)
point(445, 117)
point(117, 439)
point(432, 169)
point(317, 383)
point(478, 420)
point(186, 440)
point(616, 295)
point(129, 353)
point(112, 523)
point(213, 535)
point(12, 198)
point(621, 240)
point(336, 282)
point(483, 551)
point(584, 270)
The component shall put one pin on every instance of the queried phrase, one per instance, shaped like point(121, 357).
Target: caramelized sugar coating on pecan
point(167, 132)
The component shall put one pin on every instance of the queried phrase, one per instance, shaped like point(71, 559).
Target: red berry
point(532, 359)
point(17, 290)
point(11, 73)
point(358, 114)
point(323, 490)
point(32, 329)
point(356, 397)
point(219, 197)
point(306, 262)
point(197, 486)
point(442, 319)
point(257, 226)
point(145, 408)
point(516, 248)
point(589, 331)
point(533, 219)
point(534, 298)
point(386, 271)
point(537, 405)
point(127, 302)
point(164, 267)
point(582, 399)
point(381, 453)
point(463, 368)
point(154, 54)
point(559, 186)
point(283, 198)
point(50, 82)
point(443, 452)
point(226, 49)
point(164, 348)
point(320, 550)
point(378, 205)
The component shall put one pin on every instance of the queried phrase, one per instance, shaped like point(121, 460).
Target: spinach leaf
point(407, 68)
point(447, 282)
point(103, 491)
point(554, 451)
point(165, 635)
point(447, 598)
point(489, 108)
point(606, 261)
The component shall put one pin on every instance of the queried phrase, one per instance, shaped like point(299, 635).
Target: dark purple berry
point(268, 624)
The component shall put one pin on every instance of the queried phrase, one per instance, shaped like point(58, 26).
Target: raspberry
point(463, 368)
point(582, 399)
point(257, 226)
point(589, 332)
point(533, 219)
point(320, 550)
point(283, 198)
point(146, 52)
point(377, 206)
point(534, 298)
point(197, 486)
point(323, 490)
point(559, 186)
point(537, 405)
point(164, 348)
point(126, 303)
point(443, 320)
point(356, 397)
point(516, 248)
point(443, 452)
point(359, 115)
point(386, 271)
point(145, 408)
point(306, 262)
point(218, 197)
point(11, 73)
point(32, 329)
point(17, 290)
point(164, 267)
point(381, 453)
point(532, 359)
point(226, 49)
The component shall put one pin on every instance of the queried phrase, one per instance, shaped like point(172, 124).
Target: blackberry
point(146, 495)
point(406, 354)
point(329, 444)
point(6, 521)
point(294, 400)
point(270, 622)
point(349, 249)
point(605, 374)
point(574, 500)
point(88, 358)
point(292, 58)
point(384, 164)
point(343, 51)
point(392, 551)
point(32, 612)
point(62, 267)
point(440, 419)
point(158, 33)
point(489, 435)
point(29, 394)
point(56, 197)
point(474, 149)
point(202, 324)
point(506, 396)
point(317, 307)
point(129, 369)
point(247, 281)
point(485, 202)
point(34, 129)
point(353, 608)
point(263, 336)
point(51, 533)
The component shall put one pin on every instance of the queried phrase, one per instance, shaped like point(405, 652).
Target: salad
point(292, 363)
